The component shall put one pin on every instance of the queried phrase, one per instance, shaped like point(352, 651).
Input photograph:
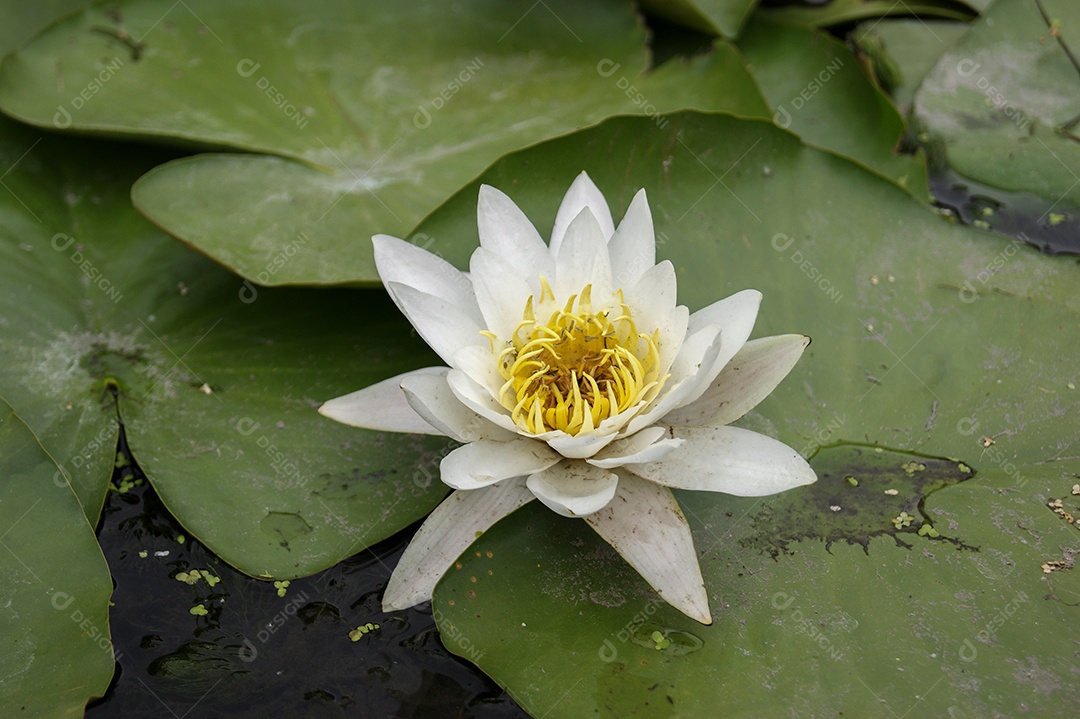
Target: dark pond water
point(255, 653)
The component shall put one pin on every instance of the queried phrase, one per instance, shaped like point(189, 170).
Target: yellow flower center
point(577, 369)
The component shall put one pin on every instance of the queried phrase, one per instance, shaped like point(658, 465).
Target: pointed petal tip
point(489, 193)
point(394, 603)
point(696, 607)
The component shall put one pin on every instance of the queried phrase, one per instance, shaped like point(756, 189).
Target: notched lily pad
point(1001, 106)
point(217, 385)
point(359, 137)
point(861, 492)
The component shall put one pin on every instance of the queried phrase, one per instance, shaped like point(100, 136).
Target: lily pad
point(371, 113)
point(1001, 101)
point(217, 381)
point(21, 19)
point(907, 50)
point(720, 17)
point(819, 91)
point(917, 349)
point(57, 654)
point(840, 12)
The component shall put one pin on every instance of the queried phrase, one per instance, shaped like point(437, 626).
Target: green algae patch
point(886, 498)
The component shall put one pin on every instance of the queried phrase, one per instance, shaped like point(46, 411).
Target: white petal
point(479, 400)
point(582, 193)
point(578, 446)
point(405, 263)
point(444, 326)
point(652, 297)
point(751, 375)
point(500, 291)
point(583, 260)
point(652, 302)
point(573, 489)
point(633, 246)
point(430, 397)
point(506, 231)
point(648, 445)
point(447, 532)
point(382, 406)
point(645, 526)
point(735, 316)
point(687, 380)
point(481, 463)
point(730, 460)
point(481, 365)
point(632, 444)
point(672, 336)
point(699, 351)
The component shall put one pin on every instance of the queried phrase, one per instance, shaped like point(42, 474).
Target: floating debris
point(1055, 566)
point(193, 576)
point(360, 631)
point(903, 520)
point(1059, 509)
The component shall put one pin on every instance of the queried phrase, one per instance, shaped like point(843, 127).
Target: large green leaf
point(818, 90)
point(721, 17)
point(20, 19)
point(56, 650)
point(901, 52)
point(841, 12)
point(374, 112)
point(218, 382)
point(999, 98)
point(927, 337)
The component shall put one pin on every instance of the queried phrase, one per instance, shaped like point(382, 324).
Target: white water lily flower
point(574, 378)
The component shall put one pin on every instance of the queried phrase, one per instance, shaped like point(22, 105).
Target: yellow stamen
point(579, 368)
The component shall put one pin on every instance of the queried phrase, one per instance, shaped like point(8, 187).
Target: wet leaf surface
point(218, 382)
point(369, 114)
point(999, 105)
point(54, 620)
point(930, 341)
